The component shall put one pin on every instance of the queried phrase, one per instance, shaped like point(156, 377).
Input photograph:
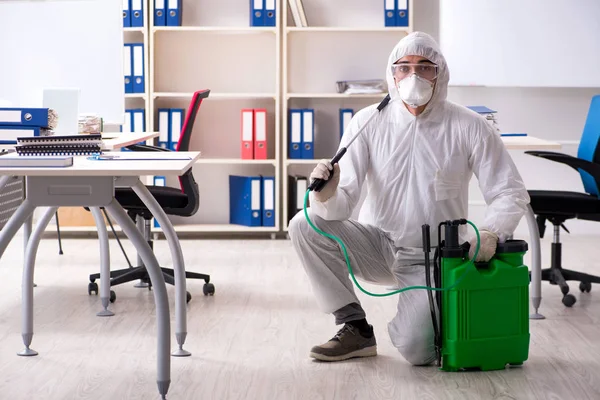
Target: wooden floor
point(251, 340)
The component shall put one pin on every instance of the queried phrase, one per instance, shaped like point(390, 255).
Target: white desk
point(529, 143)
point(116, 140)
point(91, 183)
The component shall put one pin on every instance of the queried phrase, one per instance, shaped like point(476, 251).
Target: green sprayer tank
point(485, 317)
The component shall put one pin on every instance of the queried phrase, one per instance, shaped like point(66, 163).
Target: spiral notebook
point(70, 145)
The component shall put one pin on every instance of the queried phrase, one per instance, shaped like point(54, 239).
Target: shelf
point(135, 96)
point(360, 29)
point(301, 162)
point(184, 95)
point(334, 96)
point(136, 29)
point(225, 29)
point(234, 161)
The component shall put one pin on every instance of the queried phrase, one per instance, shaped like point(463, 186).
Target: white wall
point(556, 114)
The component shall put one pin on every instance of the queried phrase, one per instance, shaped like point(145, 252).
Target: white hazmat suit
point(417, 171)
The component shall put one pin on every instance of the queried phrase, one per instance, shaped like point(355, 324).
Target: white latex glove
point(322, 171)
point(487, 246)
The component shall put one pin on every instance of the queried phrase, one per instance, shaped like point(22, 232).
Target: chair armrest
point(578, 164)
point(145, 147)
point(542, 154)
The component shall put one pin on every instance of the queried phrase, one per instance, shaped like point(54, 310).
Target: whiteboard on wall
point(529, 43)
point(63, 43)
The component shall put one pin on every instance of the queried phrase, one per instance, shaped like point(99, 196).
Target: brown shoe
point(347, 343)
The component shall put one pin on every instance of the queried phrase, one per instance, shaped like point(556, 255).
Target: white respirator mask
point(415, 91)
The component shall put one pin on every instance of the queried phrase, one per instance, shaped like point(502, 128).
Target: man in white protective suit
point(416, 158)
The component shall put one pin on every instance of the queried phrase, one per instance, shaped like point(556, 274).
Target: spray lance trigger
point(318, 184)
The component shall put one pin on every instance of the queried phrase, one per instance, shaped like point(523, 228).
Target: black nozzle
point(384, 103)
point(426, 239)
point(318, 184)
point(452, 249)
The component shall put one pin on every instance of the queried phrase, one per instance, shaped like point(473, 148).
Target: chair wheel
point(209, 289)
point(585, 286)
point(92, 287)
point(188, 297)
point(113, 296)
point(569, 300)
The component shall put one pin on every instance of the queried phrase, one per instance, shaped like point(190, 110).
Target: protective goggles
point(425, 71)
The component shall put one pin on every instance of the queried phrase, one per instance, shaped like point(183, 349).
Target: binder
point(160, 13)
point(137, 14)
point(402, 13)
point(127, 67)
point(245, 200)
point(159, 181)
point(138, 68)
point(257, 17)
point(268, 201)
point(173, 13)
point(67, 145)
point(126, 14)
point(270, 13)
point(345, 118)
point(24, 116)
point(297, 186)
point(139, 120)
point(247, 134)
point(295, 132)
point(260, 134)
point(389, 7)
point(127, 126)
point(175, 127)
point(308, 133)
point(10, 134)
point(164, 131)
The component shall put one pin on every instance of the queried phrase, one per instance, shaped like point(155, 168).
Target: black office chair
point(174, 201)
point(559, 206)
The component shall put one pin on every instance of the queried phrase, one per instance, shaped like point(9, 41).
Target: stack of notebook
point(71, 145)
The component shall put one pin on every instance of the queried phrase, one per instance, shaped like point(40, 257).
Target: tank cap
point(512, 246)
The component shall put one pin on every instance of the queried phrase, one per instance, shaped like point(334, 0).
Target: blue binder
point(270, 13)
point(127, 127)
point(159, 181)
point(389, 12)
point(176, 116)
point(295, 134)
point(257, 12)
point(174, 13)
point(137, 13)
point(402, 13)
point(139, 80)
point(268, 201)
point(160, 13)
point(126, 13)
point(345, 117)
point(245, 200)
point(128, 67)
point(24, 116)
point(138, 121)
point(308, 134)
point(164, 128)
point(9, 134)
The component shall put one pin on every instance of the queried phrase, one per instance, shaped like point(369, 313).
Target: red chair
point(183, 201)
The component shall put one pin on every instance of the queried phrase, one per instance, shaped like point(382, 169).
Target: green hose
point(471, 262)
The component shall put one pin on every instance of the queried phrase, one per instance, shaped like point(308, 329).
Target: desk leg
point(104, 262)
point(27, 282)
point(536, 263)
point(178, 266)
point(11, 228)
point(161, 299)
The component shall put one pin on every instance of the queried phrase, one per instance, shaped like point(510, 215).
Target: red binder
point(260, 134)
point(247, 134)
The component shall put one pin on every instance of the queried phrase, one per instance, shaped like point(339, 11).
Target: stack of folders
point(133, 68)
point(170, 125)
point(159, 181)
point(133, 14)
point(167, 12)
point(25, 122)
point(70, 145)
point(301, 133)
point(395, 12)
point(262, 13)
point(489, 115)
point(254, 134)
point(252, 200)
point(297, 186)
